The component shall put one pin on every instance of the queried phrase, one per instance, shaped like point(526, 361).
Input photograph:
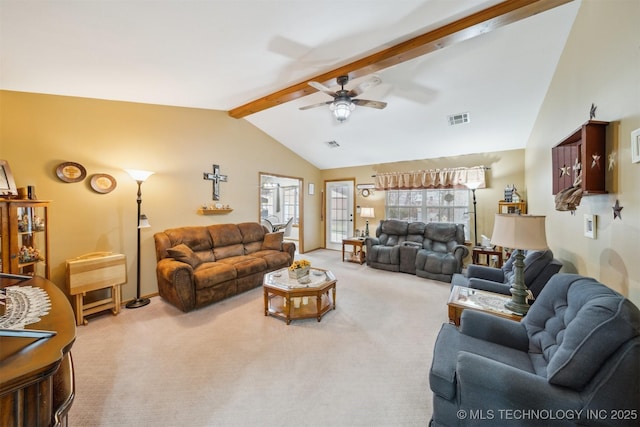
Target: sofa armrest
point(175, 283)
point(485, 272)
point(460, 252)
point(371, 241)
point(290, 248)
point(498, 330)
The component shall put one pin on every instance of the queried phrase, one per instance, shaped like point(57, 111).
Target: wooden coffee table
point(289, 299)
point(462, 298)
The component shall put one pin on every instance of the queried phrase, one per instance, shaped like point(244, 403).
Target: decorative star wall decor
point(617, 210)
point(612, 160)
point(592, 111)
point(577, 166)
point(564, 170)
point(596, 160)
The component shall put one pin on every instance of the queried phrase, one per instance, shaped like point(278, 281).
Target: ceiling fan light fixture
point(342, 109)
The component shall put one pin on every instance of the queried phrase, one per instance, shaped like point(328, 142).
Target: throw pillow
point(184, 253)
point(273, 241)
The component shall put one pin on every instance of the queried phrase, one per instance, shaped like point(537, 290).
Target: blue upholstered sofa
point(434, 251)
point(539, 266)
point(574, 359)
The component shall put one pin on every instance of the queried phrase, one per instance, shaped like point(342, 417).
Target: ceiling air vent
point(458, 119)
point(333, 144)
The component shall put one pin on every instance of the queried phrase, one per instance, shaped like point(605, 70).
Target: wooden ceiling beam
point(481, 22)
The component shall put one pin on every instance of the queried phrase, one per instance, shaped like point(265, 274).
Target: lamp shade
point(139, 175)
point(367, 213)
point(143, 222)
point(473, 185)
point(519, 231)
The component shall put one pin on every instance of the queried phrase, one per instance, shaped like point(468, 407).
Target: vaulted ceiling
point(253, 58)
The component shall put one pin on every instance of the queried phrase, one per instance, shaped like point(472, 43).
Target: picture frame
point(7, 183)
point(635, 146)
point(590, 225)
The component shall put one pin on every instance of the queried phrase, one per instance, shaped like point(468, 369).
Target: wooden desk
point(357, 254)
point(487, 253)
point(36, 376)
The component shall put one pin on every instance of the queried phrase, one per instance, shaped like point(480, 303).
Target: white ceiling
point(221, 54)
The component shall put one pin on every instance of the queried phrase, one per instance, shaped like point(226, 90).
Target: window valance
point(434, 178)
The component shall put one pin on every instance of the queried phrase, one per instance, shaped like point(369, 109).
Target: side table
point(487, 253)
point(462, 298)
point(357, 254)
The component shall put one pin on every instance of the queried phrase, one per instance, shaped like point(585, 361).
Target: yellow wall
point(38, 132)
point(601, 65)
point(506, 167)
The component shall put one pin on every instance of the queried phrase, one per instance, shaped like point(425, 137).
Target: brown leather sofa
point(199, 265)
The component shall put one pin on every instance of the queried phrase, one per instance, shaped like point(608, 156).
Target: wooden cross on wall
point(216, 178)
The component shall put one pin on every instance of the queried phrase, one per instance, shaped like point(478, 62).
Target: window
point(290, 204)
point(430, 205)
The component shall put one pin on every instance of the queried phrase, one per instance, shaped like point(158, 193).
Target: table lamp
point(367, 213)
point(519, 232)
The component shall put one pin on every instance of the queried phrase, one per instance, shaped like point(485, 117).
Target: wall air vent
point(333, 144)
point(458, 119)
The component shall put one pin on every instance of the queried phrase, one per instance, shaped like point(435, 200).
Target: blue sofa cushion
point(534, 263)
point(572, 331)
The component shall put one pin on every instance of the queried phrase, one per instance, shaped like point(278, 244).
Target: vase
point(299, 272)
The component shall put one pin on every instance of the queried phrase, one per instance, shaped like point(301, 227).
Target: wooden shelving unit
point(582, 152)
point(512, 207)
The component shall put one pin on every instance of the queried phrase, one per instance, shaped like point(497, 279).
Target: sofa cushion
point(273, 241)
point(251, 232)
point(210, 274)
point(534, 263)
point(274, 259)
point(223, 252)
point(251, 248)
point(184, 253)
point(436, 262)
point(246, 265)
point(224, 234)
point(197, 238)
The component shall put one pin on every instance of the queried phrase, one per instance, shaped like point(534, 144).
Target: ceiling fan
point(343, 102)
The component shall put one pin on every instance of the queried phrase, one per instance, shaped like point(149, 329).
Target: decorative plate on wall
point(103, 183)
point(71, 172)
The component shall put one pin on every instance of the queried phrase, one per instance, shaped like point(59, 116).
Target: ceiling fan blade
point(367, 103)
point(320, 104)
point(367, 84)
point(322, 88)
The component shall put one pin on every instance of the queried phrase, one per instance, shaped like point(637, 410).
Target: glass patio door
point(339, 213)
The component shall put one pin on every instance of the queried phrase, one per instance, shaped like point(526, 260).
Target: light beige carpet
point(364, 364)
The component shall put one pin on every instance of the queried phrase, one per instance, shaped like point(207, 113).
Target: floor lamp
point(519, 232)
point(473, 186)
point(367, 213)
point(140, 176)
